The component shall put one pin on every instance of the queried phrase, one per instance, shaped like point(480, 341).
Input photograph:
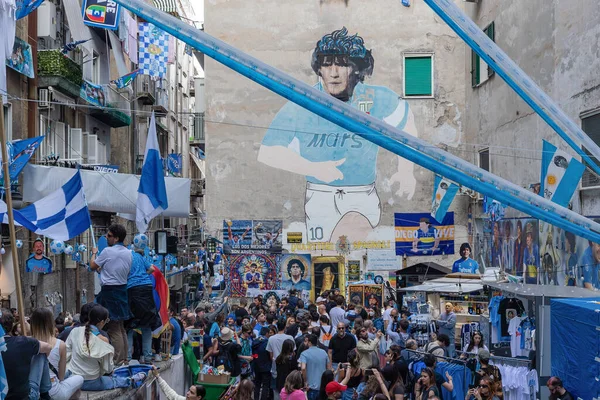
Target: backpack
point(228, 359)
point(327, 335)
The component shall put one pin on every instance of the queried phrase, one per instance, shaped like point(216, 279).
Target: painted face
point(295, 270)
point(38, 248)
point(529, 240)
point(424, 226)
point(339, 76)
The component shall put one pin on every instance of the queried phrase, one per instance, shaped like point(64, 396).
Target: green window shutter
point(474, 69)
point(417, 76)
point(490, 31)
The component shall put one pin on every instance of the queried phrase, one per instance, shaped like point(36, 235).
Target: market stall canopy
point(549, 291)
point(104, 191)
point(429, 268)
point(433, 286)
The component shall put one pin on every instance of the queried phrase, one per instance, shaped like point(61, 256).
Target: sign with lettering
point(101, 14)
point(358, 245)
point(382, 260)
point(419, 234)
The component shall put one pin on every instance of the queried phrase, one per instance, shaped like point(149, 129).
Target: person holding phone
point(483, 391)
point(425, 387)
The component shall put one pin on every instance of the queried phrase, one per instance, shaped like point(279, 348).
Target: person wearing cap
point(488, 370)
point(465, 264)
point(557, 390)
point(335, 390)
point(228, 351)
point(446, 324)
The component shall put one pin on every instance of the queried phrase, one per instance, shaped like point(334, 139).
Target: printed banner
point(416, 234)
point(153, 50)
point(92, 93)
point(174, 162)
point(356, 294)
point(383, 260)
point(26, 7)
point(560, 174)
point(444, 192)
point(252, 271)
point(369, 296)
point(295, 271)
point(248, 236)
point(101, 14)
point(273, 297)
point(353, 270)
point(21, 60)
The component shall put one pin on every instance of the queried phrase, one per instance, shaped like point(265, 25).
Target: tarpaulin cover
point(576, 345)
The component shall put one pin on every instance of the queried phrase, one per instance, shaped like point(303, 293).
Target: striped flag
point(560, 174)
point(443, 195)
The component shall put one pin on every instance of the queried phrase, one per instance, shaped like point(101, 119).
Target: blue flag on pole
point(560, 174)
point(63, 214)
point(152, 192)
point(443, 195)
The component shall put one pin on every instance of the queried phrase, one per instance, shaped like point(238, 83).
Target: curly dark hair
point(338, 43)
point(292, 262)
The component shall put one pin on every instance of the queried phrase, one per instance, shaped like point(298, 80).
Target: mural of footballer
point(340, 166)
point(296, 271)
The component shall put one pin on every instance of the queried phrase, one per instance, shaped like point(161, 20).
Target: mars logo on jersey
point(96, 13)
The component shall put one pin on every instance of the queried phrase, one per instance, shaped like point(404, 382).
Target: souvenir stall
point(426, 303)
point(521, 335)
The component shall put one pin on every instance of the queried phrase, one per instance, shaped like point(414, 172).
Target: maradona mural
point(340, 167)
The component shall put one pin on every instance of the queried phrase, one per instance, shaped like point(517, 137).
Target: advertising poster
point(92, 93)
point(356, 294)
point(21, 60)
point(353, 270)
point(373, 296)
point(252, 236)
point(101, 14)
point(295, 271)
point(419, 234)
point(328, 273)
point(252, 271)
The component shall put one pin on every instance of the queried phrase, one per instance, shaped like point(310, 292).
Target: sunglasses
point(109, 235)
point(484, 387)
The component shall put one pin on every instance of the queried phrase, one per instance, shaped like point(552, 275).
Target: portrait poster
point(92, 93)
point(252, 236)
point(21, 60)
point(328, 273)
point(373, 296)
point(417, 234)
point(356, 294)
point(251, 271)
point(295, 271)
point(353, 270)
point(42, 265)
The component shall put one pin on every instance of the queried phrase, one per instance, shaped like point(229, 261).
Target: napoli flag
point(152, 192)
point(560, 174)
point(443, 195)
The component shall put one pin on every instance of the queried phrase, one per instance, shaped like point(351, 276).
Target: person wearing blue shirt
point(314, 362)
point(425, 238)
point(531, 256)
point(140, 295)
point(465, 265)
point(590, 264)
point(175, 335)
point(253, 277)
point(340, 166)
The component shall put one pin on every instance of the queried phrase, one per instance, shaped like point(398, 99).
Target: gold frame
point(341, 261)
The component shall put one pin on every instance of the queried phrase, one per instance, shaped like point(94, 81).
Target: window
point(95, 68)
point(418, 75)
point(591, 125)
point(480, 71)
point(484, 159)
point(8, 121)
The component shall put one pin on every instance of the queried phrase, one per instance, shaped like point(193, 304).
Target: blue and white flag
point(152, 192)
point(20, 220)
point(153, 54)
point(62, 214)
point(560, 174)
point(443, 195)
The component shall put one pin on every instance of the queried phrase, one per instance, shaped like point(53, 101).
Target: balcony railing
point(117, 112)
point(161, 105)
point(145, 89)
point(59, 71)
point(198, 131)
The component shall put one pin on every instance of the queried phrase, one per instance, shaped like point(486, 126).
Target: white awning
point(117, 51)
point(75, 20)
point(104, 191)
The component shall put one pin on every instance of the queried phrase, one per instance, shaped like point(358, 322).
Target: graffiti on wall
point(339, 166)
point(251, 271)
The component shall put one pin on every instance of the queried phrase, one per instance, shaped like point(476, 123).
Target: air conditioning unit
point(46, 20)
point(44, 98)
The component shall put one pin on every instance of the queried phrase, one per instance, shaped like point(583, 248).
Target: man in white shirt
point(114, 265)
point(274, 346)
point(337, 313)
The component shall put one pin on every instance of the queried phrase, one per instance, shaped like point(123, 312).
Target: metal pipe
point(517, 79)
point(378, 132)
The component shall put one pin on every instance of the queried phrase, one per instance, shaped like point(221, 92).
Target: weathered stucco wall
point(284, 35)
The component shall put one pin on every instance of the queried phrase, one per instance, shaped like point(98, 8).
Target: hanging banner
point(417, 234)
point(93, 94)
point(252, 236)
point(20, 60)
point(174, 162)
point(26, 7)
point(153, 50)
point(101, 14)
point(560, 174)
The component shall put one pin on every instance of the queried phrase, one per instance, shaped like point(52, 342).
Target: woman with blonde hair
point(293, 387)
point(42, 328)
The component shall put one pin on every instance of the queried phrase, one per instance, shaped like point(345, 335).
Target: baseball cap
point(320, 300)
point(484, 354)
point(333, 387)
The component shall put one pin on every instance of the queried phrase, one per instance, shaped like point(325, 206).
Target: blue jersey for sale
point(466, 266)
point(591, 268)
point(316, 139)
